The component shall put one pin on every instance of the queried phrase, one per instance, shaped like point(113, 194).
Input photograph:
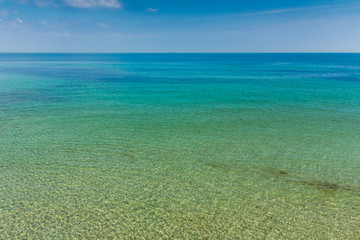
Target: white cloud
point(3, 13)
point(45, 3)
point(93, 3)
point(102, 25)
point(152, 10)
point(44, 23)
point(18, 20)
point(22, 1)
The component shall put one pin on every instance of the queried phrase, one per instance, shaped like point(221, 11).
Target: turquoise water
point(180, 146)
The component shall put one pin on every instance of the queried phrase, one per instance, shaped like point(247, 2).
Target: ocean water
point(179, 146)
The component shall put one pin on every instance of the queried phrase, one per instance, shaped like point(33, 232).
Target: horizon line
point(355, 52)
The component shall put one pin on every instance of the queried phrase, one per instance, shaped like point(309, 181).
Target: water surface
point(180, 146)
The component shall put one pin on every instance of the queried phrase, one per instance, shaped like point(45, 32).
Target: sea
point(180, 146)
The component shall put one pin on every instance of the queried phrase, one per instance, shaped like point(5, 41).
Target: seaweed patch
point(323, 185)
point(276, 172)
point(128, 155)
point(219, 167)
point(187, 219)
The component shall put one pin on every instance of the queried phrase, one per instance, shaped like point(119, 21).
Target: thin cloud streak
point(93, 3)
point(152, 9)
point(299, 9)
point(46, 3)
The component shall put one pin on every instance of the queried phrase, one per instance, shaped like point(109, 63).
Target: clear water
point(180, 146)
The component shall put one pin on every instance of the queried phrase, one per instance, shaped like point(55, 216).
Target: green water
point(197, 146)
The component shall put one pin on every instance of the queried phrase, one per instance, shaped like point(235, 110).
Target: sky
point(115, 26)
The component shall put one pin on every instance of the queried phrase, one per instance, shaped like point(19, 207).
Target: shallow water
point(180, 146)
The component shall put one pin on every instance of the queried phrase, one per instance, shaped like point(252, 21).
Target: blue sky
point(179, 26)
